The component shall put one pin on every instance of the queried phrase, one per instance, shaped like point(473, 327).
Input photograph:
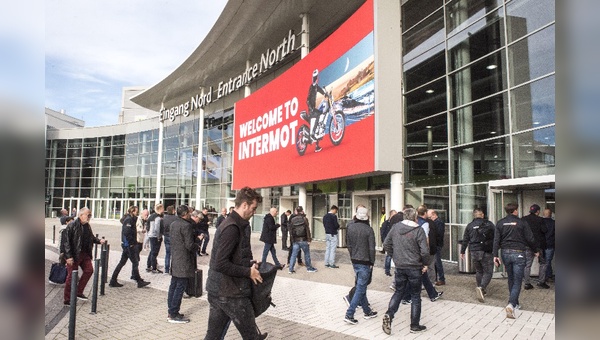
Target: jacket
point(283, 220)
point(538, 228)
point(128, 231)
point(406, 243)
point(140, 226)
point(231, 259)
point(167, 220)
point(331, 224)
point(360, 240)
point(78, 238)
point(431, 233)
point(440, 231)
point(550, 234)
point(513, 233)
point(293, 236)
point(203, 224)
point(156, 226)
point(386, 226)
point(478, 232)
point(220, 220)
point(269, 230)
point(183, 249)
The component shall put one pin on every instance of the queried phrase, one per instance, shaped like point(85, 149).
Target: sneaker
point(204, 254)
point(388, 274)
point(157, 271)
point(142, 284)
point(418, 329)
point(82, 297)
point(543, 285)
point(199, 254)
point(311, 270)
point(350, 320)
point(178, 319)
point(115, 284)
point(528, 286)
point(484, 291)
point(387, 324)
point(347, 300)
point(479, 292)
point(393, 287)
point(439, 295)
point(406, 302)
point(318, 148)
point(327, 266)
point(291, 272)
point(281, 266)
point(510, 311)
point(371, 315)
point(333, 266)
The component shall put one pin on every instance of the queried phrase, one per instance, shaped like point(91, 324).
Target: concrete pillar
point(200, 171)
point(396, 192)
point(302, 196)
point(159, 162)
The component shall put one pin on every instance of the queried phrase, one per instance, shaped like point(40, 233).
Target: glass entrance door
point(376, 205)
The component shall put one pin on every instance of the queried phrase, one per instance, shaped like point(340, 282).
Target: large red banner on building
point(315, 121)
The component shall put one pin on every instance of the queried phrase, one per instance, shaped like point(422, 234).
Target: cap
point(534, 208)
point(361, 214)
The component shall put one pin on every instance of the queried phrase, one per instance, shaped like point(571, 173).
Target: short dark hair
point(511, 207)
point(171, 209)
point(248, 195)
point(334, 207)
point(422, 210)
point(182, 210)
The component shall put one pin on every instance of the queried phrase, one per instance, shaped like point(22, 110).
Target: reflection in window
point(428, 170)
point(462, 13)
point(481, 79)
point(426, 101)
point(481, 120)
point(423, 36)
point(469, 197)
point(415, 10)
point(532, 57)
point(427, 135)
point(535, 153)
point(482, 162)
point(533, 104)
point(425, 68)
point(526, 16)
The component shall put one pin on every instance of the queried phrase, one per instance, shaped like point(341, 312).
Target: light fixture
point(429, 91)
point(493, 133)
point(536, 123)
point(428, 127)
point(491, 67)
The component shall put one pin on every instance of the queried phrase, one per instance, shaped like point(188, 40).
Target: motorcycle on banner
point(332, 119)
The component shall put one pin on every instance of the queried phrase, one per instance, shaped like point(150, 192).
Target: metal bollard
point(103, 261)
point(95, 286)
point(54, 234)
point(73, 307)
point(96, 249)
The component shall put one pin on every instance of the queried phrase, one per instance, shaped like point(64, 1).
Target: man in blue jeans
point(169, 218)
point(407, 244)
point(440, 229)
point(301, 238)
point(331, 224)
point(360, 240)
point(513, 236)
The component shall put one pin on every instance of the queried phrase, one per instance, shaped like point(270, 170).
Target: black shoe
point(149, 269)
point(418, 329)
point(204, 254)
point(543, 285)
point(318, 148)
point(263, 335)
point(157, 271)
point(82, 297)
point(132, 278)
point(528, 286)
point(142, 284)
point(387, 324)
point(350, 320)
point(115, 284)
point(439, 295)
point(66, 303)
point(333, 266)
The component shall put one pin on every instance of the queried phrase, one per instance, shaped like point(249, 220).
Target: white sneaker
point(479, 292)
point(510, 311)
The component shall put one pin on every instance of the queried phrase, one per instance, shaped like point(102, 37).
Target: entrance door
point(376, 204)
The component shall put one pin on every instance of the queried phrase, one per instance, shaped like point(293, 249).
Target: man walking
point(269, 236)
point(550, 241)
point(203, 227)
point(77, 240)
point(221, 217)
point(301, 238)
point(538, 228)
point(232, 271)
point(440, 230)
point(407, 243)
point(479, 238)
point(331, 224)
point(386, 226)
point(155, 236)
point(513, 235)
point(169, 218)
point(183, 265)
point(140, 227)
point(284, 229)
point(130, 250)
point(360, 240)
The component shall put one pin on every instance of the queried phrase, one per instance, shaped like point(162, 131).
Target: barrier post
point(73, 304)
point(96, 249)
point(95, 286)
point(54, 234)
point(103, 261)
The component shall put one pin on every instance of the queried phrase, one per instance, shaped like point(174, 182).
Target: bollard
point(54, 234)
point(103, 261)
point(73, 307)
point(95, 286)
point(96, 249)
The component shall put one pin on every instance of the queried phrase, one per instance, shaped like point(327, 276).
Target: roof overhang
point(541, 182)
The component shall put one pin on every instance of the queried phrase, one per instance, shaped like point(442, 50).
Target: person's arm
point(530, 239)
point(466, 239)
point(388, 244)
point(423, 248)
point(371, 246)
point(497, 235)
point(307, 226)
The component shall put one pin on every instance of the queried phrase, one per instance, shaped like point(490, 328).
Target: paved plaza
point(309, 305)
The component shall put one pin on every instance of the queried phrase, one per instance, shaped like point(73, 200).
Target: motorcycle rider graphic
point(311, 102)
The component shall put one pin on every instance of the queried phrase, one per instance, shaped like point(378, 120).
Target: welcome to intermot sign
point(226, 87)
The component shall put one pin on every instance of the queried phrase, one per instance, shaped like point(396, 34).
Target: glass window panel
point(86, 183)
point(481, 120)
point(486, 36)
point(462, 13)
point(73, 163)
point(532, 57)
point(74, 173)
point(423, 36)
point(61, 148)
point(170, 143)
point(469, 197)
point(118, 140)
point(117, 161)
point(131, 160)
point(74, 143)
point(478, 80)
point(186, 127)
point(187, 140)
point(131, 149)
point(170, 156)
point(228, 123)
point(89, 163)
point(535, 152)
point(59, 163)
point(118, 150)
point(425, 68)
point(116, 171)
point(526, 16)
point(73, 153)
point(428, 170)
point(426, 101)
point(426, 135)
point(131, 138)
point(146, 136)
point(438, 199)
point(415, 10)
point(482, 162)
point(534, 104)
point(131, 171)
point(90, 152)
point(171, 130)
point(228, 145)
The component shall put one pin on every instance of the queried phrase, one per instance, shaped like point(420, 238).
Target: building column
point(302, 196)
point(304, 49)
point(200, 170)
point(396, 192)
point(159, 162)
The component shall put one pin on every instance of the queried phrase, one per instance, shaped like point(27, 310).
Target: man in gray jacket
point(407, 244)
point(360, 240)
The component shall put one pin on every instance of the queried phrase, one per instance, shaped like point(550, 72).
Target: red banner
point(315, 121)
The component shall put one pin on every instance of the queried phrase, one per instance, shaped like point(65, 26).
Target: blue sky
point(95, 48)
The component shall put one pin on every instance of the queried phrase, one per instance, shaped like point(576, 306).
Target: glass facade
point(479, 89)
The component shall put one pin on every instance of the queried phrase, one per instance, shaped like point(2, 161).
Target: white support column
point(200, 148)
point(159, 163)
point(302, 196)
point(397, 192)
point(305, 48)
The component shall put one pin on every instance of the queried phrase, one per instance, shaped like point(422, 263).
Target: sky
point(95, 48)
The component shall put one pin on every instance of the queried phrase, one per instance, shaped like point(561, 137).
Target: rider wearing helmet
point(311, 102)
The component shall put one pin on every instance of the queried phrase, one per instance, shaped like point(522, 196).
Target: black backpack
point(261, 292)
point(485, 236)
point(298, 226)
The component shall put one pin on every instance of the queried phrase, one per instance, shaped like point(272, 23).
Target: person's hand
point(424, 270)
point(70, 261)
point(201, 237)
point(102, 241)
point(255, 274)
point(462, 256)
point(497, 261)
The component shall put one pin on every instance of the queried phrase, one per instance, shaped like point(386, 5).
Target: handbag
point(261, 292)
point(58, 273)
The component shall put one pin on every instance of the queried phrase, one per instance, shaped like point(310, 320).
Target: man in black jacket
point(130, 249)
point(77, 242)
point(513, 235)
point(479, 238)
point(269, 236)
point(331, 224)
point(440, 230)
point(232, 271)
point(550, 241)
point(169, 218)
point(221, 217)
point(203, 225)
point(538, 228)
point(284, 229)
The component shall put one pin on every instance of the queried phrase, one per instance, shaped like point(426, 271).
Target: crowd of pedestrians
point(412, 241)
